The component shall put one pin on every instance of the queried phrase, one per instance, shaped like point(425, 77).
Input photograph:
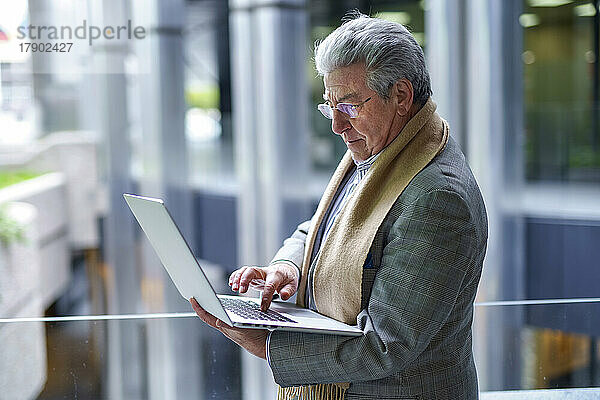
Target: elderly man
point(396, 245)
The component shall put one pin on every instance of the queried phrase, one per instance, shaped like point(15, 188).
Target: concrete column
point(40, 13)
point(124, 374)
point(445, 27)
point(486, 162)
point(505, 178)
point(173, 348)
point(476, 87)
point(269, 56)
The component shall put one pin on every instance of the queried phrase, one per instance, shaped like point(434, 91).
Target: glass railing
point(538, 345)
point(532, 349)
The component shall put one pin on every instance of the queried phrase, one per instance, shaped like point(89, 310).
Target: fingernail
point(235, 286)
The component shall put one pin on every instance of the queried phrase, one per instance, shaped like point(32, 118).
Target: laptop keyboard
point(251, 310)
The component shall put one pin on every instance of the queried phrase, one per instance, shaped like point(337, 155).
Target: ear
point(402, 92)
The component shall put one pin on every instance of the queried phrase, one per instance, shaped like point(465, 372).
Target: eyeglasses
point(351, 110)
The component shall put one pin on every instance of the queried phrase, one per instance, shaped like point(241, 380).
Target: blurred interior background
point(214, 110)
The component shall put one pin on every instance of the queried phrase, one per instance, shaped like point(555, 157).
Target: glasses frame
point(351, 110)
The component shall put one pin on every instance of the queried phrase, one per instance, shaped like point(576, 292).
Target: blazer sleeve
point(427, 255)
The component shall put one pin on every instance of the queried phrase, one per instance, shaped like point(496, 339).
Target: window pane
point(562, 136)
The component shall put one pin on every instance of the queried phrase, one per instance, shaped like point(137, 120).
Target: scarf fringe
point(329, 391)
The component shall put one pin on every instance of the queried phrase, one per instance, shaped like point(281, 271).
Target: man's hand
point(253, 340)
point(278, 277)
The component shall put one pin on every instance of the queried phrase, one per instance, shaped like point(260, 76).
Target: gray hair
point(387, 48)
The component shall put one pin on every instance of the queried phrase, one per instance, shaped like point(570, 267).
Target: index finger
point(272, 283)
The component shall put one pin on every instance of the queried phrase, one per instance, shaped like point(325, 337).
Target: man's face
point(377, 123)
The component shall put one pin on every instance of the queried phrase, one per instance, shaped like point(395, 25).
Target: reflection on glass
point(74, 359)
point(566, 359)
point(547, 345)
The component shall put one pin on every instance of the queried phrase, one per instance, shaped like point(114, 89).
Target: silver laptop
point(190, 280)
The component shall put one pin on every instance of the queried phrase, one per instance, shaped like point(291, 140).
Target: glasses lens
point(347, 109)
point(325, 110)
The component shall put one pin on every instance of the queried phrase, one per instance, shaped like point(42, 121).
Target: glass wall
point(561, 78)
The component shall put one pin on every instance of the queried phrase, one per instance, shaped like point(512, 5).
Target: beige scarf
point(337, 283)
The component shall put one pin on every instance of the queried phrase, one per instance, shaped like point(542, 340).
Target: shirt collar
point(366, 164)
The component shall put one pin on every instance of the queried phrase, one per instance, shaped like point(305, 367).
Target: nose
point(340, 122)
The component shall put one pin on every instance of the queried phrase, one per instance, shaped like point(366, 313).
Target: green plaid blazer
point(419, 286)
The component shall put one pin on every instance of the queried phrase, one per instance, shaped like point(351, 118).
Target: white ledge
point(544, 394)
point(24, 189)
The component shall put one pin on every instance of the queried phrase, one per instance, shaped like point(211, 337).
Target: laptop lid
point(175, 254)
